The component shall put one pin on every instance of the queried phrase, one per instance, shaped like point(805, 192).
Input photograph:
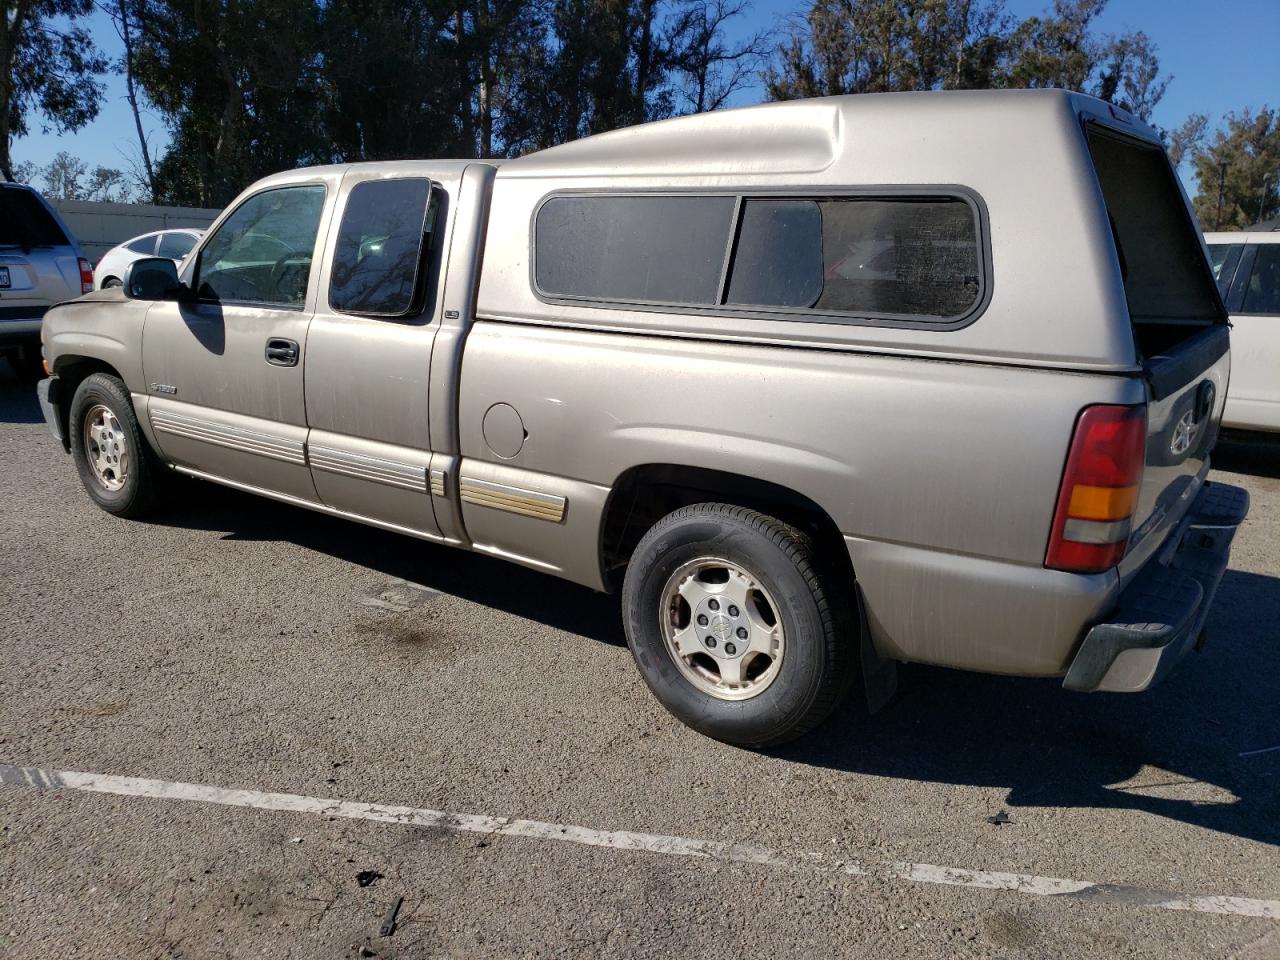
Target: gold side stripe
point(499, 496)
point(437, 483)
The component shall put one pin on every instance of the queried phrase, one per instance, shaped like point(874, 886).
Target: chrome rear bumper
point(1161, 613)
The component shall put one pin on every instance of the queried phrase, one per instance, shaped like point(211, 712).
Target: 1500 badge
point(163, 388)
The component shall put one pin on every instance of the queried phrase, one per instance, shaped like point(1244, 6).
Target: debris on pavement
point(1000, 819)
point(389, 921)
point(367, 877)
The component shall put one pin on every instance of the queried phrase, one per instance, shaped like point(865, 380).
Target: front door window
point(262, 253)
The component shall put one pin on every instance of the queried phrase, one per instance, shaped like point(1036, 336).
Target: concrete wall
point(100, 226)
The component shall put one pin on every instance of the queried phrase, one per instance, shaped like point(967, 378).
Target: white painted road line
point(647, 842)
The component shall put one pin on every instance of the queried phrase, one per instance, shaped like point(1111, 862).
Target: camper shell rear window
point(1168, 283)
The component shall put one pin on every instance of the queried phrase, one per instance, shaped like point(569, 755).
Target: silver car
point(40, 265)
point(818, 387)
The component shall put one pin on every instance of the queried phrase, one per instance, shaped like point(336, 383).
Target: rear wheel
point(110, 282)
point(734, 627)
point(116, 465)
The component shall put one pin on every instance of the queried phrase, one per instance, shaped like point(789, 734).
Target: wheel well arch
point(72, 370)
point(645, 493)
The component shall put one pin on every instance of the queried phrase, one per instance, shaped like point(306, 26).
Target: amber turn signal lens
point(1102, 503)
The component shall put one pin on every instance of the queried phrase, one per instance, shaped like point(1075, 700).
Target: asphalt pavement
point(206, 720)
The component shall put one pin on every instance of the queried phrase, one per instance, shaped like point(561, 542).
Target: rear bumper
point(1160, 614)
point(21, 331)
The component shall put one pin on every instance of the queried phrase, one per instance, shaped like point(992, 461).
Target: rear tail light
point(1099, 491)
point(86, 276)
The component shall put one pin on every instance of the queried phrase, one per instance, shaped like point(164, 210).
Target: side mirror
point(151, 278)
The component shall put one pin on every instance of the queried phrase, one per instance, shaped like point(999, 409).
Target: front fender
point(107, 329)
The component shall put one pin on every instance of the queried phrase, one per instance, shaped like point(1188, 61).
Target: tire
point(816, 658)
point(110, 282)
point(140, 475)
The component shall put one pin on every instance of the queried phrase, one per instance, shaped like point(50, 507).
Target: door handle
point(282, 352)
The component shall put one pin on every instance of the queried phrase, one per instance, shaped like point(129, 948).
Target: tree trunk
point(232, 105)
point(126, 35)
point(644, 60)
point(12, 20)
point(466, 115)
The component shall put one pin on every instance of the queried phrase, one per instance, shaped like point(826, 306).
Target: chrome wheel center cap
point(720, 627)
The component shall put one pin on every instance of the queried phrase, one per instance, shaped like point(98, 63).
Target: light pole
point(1262, 201)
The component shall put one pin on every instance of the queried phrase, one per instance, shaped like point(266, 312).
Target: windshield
point(24, 221)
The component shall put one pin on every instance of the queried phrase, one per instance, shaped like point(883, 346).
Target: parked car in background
point(1247, 268)
point(171, 244)
point(818, 386)
point(40, 265)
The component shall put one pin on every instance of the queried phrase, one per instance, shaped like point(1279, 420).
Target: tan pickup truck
point(820, 386)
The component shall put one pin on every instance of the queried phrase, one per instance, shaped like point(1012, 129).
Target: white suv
point(1247, 268)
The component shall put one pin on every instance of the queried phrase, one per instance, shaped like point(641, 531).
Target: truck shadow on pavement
point(18, 402)
point(470, 576)
point(1255, 454)
point(1173, 751)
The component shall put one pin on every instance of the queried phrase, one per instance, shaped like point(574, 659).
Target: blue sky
point(1221, 58)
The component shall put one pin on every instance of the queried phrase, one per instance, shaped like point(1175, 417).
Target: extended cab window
point(894, 257)
point(380, 259)
point(262, 252)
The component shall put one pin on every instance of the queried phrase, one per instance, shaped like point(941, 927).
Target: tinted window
point(262, 252)
point(646, 249)
point(873, 257)
point(1222, 260)
point(778, 260)
point(144, 245)
point(1262, 295)
point(24, 221)
point(380, 248)
point(175, 246)
point(1165, 275)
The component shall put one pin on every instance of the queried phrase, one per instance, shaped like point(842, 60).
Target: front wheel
point(116, 466)
point(734, 627)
